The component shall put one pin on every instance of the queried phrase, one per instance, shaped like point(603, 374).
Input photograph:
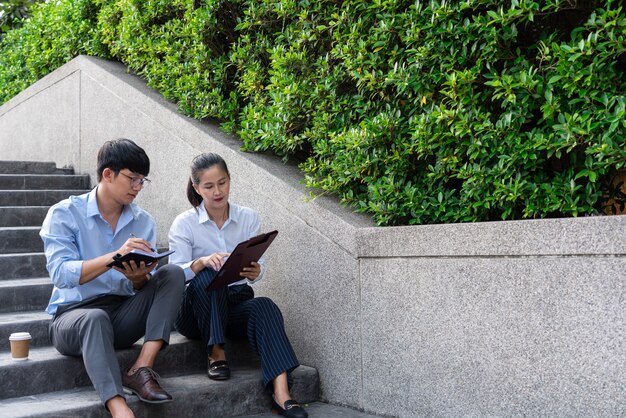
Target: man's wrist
point(138, 286)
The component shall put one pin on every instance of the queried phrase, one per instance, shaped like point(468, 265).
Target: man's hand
point(96, 266)
point(134, 243)
point(137, 274)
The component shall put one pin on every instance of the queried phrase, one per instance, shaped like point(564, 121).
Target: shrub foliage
point(412, 111)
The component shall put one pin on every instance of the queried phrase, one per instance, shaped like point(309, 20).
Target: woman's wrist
point(196, 265)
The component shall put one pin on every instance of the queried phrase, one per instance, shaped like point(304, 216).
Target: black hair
point(198, 165)
point(121, 153)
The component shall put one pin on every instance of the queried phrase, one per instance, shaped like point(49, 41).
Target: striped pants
point(233, 312)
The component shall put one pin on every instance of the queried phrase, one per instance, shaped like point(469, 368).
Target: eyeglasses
point(137, 181)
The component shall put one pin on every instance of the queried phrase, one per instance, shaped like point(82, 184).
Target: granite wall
point(517, 318)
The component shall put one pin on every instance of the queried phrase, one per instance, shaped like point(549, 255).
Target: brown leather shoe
point(144, 384)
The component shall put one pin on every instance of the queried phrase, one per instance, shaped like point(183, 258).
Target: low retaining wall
point(485, 319)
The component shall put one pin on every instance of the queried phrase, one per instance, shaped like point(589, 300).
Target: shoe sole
point(219, 377)
point(129, 391)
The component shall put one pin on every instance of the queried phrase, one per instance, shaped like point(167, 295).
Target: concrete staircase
point(52, 385)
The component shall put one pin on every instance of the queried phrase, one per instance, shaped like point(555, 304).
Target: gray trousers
point(94, 329)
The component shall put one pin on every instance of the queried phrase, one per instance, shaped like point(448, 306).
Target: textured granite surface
point(322, 410)
point(34, 197)
point(22, 215)
point(22, 295)
point(23, 265)
point(52, 135)
point(495, 337)
point(41, 182)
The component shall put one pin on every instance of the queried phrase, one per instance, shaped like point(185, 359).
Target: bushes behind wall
point(411, 111)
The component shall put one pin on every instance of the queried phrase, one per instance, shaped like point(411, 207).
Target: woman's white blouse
point(193, 235)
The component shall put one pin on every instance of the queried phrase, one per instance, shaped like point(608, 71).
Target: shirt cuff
point(73, 269)
point(189, 274)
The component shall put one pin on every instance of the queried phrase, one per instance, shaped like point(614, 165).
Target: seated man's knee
point(172, 274)
point(95, 322)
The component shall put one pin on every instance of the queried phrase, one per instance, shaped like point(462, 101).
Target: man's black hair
point(121, 153)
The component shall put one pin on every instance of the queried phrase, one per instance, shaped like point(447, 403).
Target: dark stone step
point(22, 215)
point(25, 294)
point(194, 396)
point(46, 370)
point(321, 410)
point(35, 322)
point(35, 197)
point(32, 167)
point(23, 239)
point(43, 182)
point(22, 265)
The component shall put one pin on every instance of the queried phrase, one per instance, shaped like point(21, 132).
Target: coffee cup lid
point(20, 336)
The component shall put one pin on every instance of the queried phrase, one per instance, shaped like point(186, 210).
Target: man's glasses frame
point(137, 181)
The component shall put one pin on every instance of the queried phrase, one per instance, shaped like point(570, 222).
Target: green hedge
point(411, 111)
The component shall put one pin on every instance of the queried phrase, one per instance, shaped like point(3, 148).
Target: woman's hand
point(252, 271)
point(214, 261)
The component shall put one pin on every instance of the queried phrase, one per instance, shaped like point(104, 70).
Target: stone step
point(46, 370)
point(34, 322)
point(35, 197)
point(24, 295)
point(195, 395)
point(321, 410)
point(43, 182)
point(20, 239)
point(22, 215)
point(32, 167)
point(22, 265)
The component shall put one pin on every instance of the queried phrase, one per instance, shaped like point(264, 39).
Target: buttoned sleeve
point(63, 259)
point(181, 242)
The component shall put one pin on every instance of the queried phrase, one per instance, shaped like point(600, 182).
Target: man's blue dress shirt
point(75, 231)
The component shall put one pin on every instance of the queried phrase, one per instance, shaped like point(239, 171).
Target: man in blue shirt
point(97, 308)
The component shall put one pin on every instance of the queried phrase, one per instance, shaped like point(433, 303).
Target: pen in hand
point(134, 236)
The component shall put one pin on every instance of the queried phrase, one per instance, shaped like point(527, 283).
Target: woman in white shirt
point(202, 237)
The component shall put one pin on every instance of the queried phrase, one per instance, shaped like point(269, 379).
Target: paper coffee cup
point(20, 342)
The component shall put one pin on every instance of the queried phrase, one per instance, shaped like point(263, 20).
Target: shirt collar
point(203, 216)
point(92, 203)
point(92, 207)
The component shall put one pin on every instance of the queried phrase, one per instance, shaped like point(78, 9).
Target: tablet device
point(138, 256)
point(244, 253)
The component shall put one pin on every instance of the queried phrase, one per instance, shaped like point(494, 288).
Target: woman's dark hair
point(198, 165)
point(121, 153)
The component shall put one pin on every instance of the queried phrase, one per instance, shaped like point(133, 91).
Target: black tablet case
point(244, 253)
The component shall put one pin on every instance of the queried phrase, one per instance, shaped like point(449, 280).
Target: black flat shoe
point(292, 409)
point(219, 370)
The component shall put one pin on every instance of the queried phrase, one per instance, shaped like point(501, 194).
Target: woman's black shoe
point(291, 409)
point(219, 370)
